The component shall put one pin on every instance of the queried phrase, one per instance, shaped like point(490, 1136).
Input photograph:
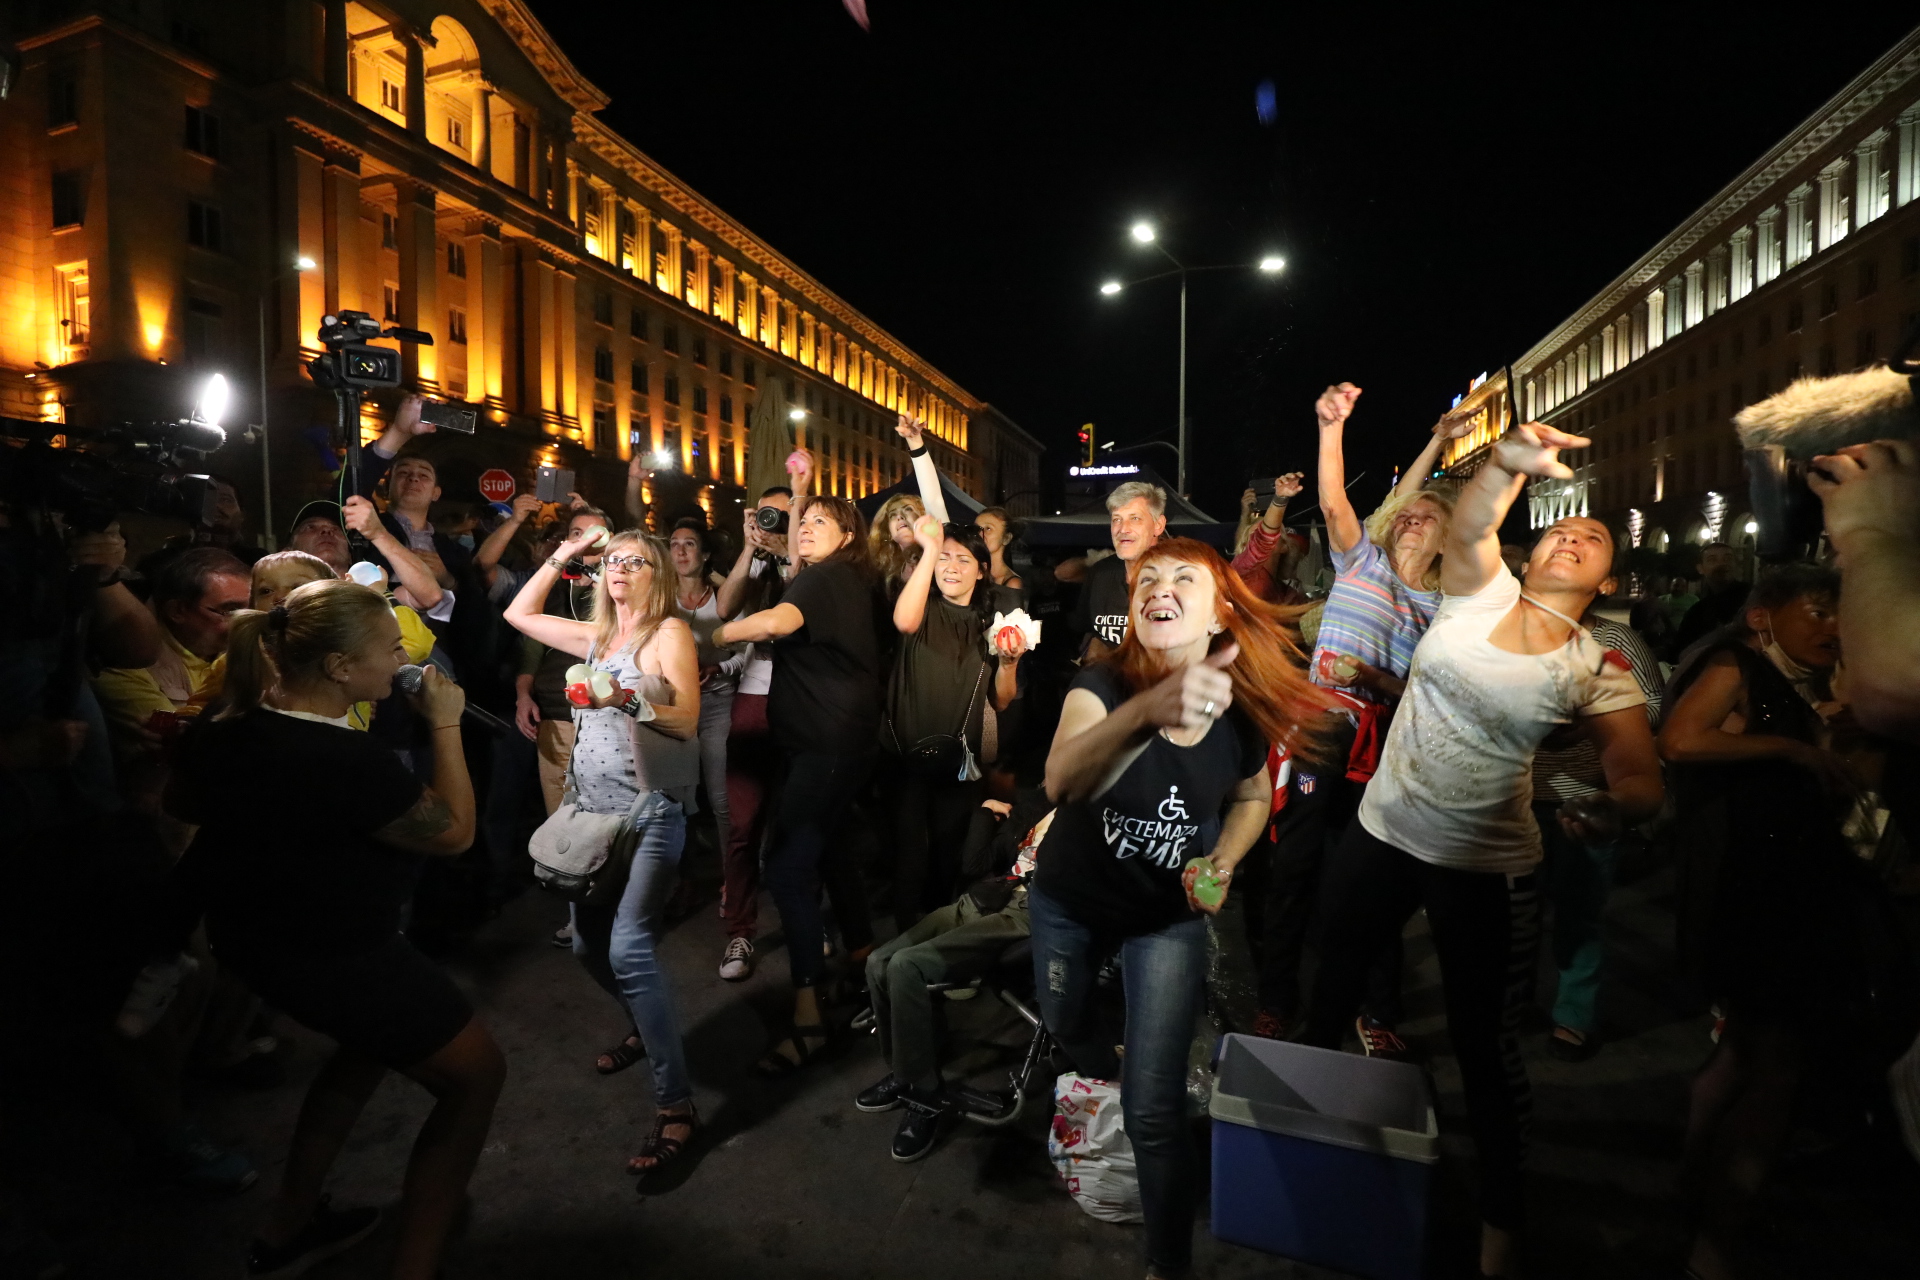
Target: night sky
point(1445, 190)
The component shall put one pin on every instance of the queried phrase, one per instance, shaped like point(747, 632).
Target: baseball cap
point(318, 507)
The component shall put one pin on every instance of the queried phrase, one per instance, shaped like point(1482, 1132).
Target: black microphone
point(408, 680)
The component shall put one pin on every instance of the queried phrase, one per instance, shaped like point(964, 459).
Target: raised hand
point(362, 517)
point(1454, 425)
point(524, 506)
point(406, 419)
point(1533, 449)
point(911, 429)
point(1870, 488)
point(930, 534)
point(1289, 485)
point(1196, 697)
point(1335, 404)
point(106, 548)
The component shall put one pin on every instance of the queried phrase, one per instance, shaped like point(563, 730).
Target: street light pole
point(302, 263)
point(1182, 481)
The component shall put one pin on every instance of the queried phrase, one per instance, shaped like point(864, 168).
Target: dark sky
point(1445, 190)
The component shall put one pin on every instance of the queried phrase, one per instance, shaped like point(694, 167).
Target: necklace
point(706, 592)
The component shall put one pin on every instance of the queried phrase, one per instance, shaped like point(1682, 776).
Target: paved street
point(793, 1182)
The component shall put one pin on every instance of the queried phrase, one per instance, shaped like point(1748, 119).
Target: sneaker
point(737, 964)
point(192, 1158)
point(1377, 1040)
point(920, 1127)
point(331, 1232)
point(1269, 1025)
point(884, 1096)
point(152, 993)
point(563, 936)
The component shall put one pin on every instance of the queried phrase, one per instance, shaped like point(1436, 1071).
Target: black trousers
point(1486, 931)
point(1320, 808)
point(930, 821)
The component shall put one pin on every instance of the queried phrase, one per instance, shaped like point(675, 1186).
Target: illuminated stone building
point(1808, 263)
point(441, 164)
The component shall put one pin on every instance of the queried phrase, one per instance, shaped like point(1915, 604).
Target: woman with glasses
point(824, 709)
point(1447, 823)
point(639, 740)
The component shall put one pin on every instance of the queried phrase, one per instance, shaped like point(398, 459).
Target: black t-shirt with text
point(1114, 862)
point(943, 672)
point(826, 676)
point(1106, 600)
point(285, 859)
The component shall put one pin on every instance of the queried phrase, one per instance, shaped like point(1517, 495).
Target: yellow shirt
point(415, 636)
point(131, 696)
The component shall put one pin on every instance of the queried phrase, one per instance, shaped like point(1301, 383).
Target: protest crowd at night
point(1065, 843)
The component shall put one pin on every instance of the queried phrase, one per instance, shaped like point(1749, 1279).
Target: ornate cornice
point(678, 197)
point(1841, 112)
point(545, 53)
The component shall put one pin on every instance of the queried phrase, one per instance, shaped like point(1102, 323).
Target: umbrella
point(769, 440)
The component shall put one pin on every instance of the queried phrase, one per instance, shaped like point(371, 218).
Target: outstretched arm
point(526, 613)
point(1472, 551)
point(1333, 409)
point(925, 473)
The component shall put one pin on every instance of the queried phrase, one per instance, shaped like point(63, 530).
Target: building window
point(1869, 281)
point(603, 308)
point(1796, 316)
point(670, 442)
point(726, 364)
point(699, 399)
point(637, 323)
point(456, 259)
point(726, 408)
point(1829, 299)
point(602, 426)
point(63, 101)
point(69, 208)
point(1910, 255)
point(700, 351)
point(390, 302)
point(203, 328)
point(700, 471)
point(76, 306)
point(457, 326)
point(670, 337)
point(389, 231)
point(603, 364)
point(1863, 348)
point(747, 373)
point(391, 97)
point(726, 462)
point(638, 372)
point(203, 226)
point(456, 134)
point(672, 389)
point(203, 134)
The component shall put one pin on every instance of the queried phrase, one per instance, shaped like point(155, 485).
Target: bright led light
point(213, 401)
point(1752, 526)
point(304, 263)
point(663, 458)
point(1143, 232)
point(796, 414)
point(1271, 263)
point(1110, 288)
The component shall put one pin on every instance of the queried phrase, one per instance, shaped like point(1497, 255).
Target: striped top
point(1564, 770)
point(1372, 615)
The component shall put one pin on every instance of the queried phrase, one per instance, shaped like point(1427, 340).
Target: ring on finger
point(1207, 710)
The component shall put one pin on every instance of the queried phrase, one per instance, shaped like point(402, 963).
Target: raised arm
point(1094, 746)
point(637, 474)
point(1472, 549)
point(1450, 427)
point(910, 610)
point(409, 570)
point(925, 473)
point(1333, 408)
point(487, 558)
point(405, 426)
point(1285, 489)
point(756, 628)
point(442, 820)
point(526, 613)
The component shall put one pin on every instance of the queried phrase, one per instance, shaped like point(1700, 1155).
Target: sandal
point(777, 1064)
point(661, 1149)
point(622, 1055)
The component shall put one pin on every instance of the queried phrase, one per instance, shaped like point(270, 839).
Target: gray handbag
point(584, 857)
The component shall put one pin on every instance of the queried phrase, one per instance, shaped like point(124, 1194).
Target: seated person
point(952, 944)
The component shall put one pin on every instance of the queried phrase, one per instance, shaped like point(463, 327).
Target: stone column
point(342, 248)
point(482, 110)
point(416, 85)
point(566, 348)
point(481, 237)
point(419, 281)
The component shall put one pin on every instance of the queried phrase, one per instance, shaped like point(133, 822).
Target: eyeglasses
point(626, 562)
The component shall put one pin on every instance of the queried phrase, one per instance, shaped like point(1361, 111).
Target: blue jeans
point(616, 945)
point(1577, 880)
point(1164, 974)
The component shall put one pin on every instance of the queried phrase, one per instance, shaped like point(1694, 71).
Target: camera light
point(1110, 288)
point(1751, 526)
point(304, 263)
point(214, 397)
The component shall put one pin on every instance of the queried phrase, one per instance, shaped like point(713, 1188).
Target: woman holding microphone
point(303, 902)
point(638, 739)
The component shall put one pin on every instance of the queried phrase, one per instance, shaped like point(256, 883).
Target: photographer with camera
point(306, 908)
point(320, 529)
point(754, 583)
point(635, 752)
point(413, 486)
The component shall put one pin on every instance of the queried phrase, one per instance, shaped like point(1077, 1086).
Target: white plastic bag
point(1090, 1150)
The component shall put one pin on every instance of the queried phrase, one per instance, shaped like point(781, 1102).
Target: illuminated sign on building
point(1112, 469)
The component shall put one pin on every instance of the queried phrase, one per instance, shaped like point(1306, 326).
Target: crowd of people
point(281, 760)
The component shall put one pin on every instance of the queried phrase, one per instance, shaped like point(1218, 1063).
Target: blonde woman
point(1383, 599)
point(303, 902)
point(890, 541)
point(640, 739)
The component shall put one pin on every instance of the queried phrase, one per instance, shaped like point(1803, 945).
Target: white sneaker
point(563, 936)
point(737, 964)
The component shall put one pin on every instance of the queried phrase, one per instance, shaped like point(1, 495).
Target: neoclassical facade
point(441, 164)
point(1806, 264)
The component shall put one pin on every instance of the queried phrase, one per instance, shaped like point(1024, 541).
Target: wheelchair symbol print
point(1173, 808)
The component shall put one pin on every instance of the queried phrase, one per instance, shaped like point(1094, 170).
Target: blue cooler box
point(1323, 1157)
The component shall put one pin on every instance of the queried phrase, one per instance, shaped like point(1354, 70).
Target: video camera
point(1784, 433)
point(91, 476)
point(350, 359)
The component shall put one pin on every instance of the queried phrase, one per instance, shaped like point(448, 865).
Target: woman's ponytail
point(250, 672)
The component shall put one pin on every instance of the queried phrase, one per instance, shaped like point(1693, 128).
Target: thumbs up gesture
point(1196, 697)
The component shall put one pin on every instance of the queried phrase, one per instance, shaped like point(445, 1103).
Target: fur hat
point(1819, 415)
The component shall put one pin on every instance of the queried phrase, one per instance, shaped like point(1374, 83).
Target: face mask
point(465, 540)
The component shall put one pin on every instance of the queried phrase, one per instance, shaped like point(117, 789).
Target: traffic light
point(1086, 442)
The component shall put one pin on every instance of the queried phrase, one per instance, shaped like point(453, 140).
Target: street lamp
point(301, 263)
point(1144, 233)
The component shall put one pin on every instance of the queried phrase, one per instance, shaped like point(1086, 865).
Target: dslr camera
point(771, 519)
point(1815, 416)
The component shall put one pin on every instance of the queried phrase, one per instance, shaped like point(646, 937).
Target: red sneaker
point(1377, 1040)
point(1270, 1026)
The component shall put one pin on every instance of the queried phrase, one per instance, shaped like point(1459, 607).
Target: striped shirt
point(1564, 772)
point(1372, 615)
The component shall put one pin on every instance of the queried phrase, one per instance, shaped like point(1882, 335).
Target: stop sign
point(496, 485)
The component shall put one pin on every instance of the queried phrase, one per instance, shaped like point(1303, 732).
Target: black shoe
point(884, 1096)
point(920, 1127)
point(332, 1231)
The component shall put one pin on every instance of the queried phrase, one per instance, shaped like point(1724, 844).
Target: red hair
point(1270, 674)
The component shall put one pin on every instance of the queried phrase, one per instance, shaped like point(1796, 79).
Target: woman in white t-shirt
point(1447, 824)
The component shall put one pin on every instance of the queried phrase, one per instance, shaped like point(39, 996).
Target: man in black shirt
point(1136, 519)
point(1721, 595)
